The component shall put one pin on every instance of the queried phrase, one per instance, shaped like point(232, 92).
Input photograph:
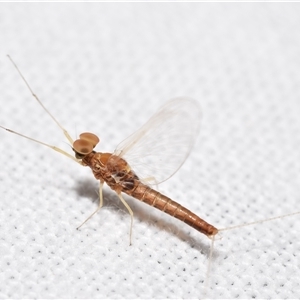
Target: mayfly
point(148, 157)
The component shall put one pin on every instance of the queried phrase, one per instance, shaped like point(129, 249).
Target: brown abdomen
point(167, 205)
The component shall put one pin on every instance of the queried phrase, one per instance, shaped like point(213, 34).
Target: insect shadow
point(88, 188)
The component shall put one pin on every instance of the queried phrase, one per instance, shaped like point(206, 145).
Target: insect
point(176, 125)
point(144, 154)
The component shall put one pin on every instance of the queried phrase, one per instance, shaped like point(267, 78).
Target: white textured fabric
point(106, 68)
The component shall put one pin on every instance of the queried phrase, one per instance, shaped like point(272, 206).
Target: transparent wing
point(158, 149)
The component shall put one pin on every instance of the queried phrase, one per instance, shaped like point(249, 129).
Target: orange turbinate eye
point(83, 147)
point(90, 137)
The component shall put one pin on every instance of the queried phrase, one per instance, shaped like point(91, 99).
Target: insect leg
point(99, 206)
point(131, 215)
point(42, 143)
point(65, 132)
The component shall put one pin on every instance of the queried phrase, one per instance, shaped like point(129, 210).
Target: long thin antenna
point(41, 104)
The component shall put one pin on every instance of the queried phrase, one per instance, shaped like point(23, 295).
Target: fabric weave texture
point(106, 68)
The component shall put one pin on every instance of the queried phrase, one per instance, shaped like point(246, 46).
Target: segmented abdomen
point(146, 194)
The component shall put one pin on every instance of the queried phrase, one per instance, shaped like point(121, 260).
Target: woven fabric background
point(106, 68)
